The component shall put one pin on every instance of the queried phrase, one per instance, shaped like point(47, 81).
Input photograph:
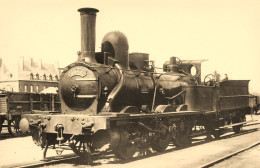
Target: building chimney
point(88, 34)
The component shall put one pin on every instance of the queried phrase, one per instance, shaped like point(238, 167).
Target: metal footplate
point(236, 124)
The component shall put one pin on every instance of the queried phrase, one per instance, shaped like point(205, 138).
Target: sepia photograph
point(145, 84)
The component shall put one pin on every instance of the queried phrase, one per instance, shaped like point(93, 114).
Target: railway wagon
point(13, 105)
point(113, 100)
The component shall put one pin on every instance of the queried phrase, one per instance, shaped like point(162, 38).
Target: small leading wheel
point(13, 126)
point(210, 80)
point(81, 147)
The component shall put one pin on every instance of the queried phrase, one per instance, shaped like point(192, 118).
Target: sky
point(225, 32)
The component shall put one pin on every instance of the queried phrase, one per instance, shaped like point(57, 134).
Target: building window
point(37, 76)
point(25, 88)
point(44, 87)
point(44, 77)
point(31, 76)
point(50, 77)
point(31, 88)
point(37, 89)
point(56, 77)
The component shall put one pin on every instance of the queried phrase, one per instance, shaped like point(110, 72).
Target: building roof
point(29, 69)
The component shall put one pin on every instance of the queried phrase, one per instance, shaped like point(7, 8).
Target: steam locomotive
point(113, 100)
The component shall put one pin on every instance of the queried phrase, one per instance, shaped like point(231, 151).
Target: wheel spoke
point(81, 149)
point(84, 148)
point(76, 142)
point(13, 126)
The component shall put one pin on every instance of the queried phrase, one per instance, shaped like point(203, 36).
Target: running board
point(236, 124)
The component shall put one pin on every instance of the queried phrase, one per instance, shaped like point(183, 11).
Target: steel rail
point(46, 161)
point(219, 160)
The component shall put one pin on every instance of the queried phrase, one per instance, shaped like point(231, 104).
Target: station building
point(28, 75)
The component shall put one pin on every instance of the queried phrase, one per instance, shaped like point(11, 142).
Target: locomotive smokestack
point(88, 34)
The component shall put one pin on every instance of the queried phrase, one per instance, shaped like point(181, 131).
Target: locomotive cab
point(191, 68)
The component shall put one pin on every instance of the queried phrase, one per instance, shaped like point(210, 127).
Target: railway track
point(228, 156)
point(47, 161)
point(60, 159)
point(67, 157)
point(210, 164)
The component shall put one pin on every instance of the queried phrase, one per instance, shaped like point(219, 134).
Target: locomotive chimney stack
point(88, 34)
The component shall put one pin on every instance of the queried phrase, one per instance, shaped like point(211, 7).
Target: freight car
point(113, 100)
point(13, 105)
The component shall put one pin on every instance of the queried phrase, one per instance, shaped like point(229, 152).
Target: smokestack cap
point(88, 11)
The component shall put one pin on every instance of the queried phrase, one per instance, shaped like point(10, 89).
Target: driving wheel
point(160, 141)
point(121, 145)
point(125, 152)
